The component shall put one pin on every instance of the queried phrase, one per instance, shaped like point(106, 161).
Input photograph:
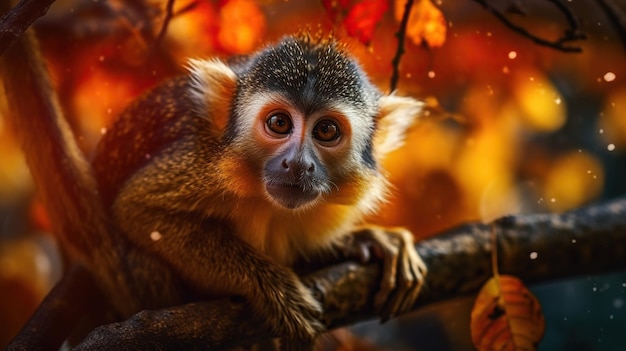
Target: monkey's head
point(306, 122)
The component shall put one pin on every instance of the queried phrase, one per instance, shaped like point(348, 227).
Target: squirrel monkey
point(217, 183)
point(232, 174)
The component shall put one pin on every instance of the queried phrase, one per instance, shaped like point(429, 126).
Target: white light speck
point(610, 316)
point(155, 236)
point(573, 241)
point(594, 289)
point(148, 156)
point(431, 74)
point(618, 303)
point(103, 131)
point(600, 131)
point(558, 101)
point(534, 255)
point(512, 55)
point(553, 200)
point(609, 76)
point(109, 110)
point(610, 147)
point(101, 58)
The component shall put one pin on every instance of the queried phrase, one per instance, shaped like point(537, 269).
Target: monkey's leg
point(403, 269)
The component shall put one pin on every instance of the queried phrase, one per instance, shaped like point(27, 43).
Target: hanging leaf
point(363, 19)
point(506, 316)
point(426, 25)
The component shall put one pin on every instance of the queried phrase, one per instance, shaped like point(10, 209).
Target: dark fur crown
point(310, 71)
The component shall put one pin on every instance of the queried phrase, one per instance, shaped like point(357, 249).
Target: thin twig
point(18, 19)
point(169, 13)
point(401, 34)
point(571, 34)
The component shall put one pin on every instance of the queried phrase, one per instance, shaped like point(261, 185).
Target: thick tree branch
point(586, 241)
point(16, 21)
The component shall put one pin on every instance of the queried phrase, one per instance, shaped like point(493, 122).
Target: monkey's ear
point(397, 115)
point(213, 86)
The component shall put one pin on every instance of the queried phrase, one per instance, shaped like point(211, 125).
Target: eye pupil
point(279, 123)
point(326, 131)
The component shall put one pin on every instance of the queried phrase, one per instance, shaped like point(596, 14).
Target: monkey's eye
point(279, 123)
point(326, 131)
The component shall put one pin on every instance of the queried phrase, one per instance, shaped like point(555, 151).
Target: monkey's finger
point(417, 271)
point(410, 275)
point(404, 284)
point(389, 274)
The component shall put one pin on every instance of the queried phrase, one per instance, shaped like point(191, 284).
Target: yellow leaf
point(426, 23)
point(506, 316)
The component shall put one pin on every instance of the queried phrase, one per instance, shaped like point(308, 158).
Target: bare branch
point(17, 20)
point(169, 13)
point(572, 33)
point(401, 34)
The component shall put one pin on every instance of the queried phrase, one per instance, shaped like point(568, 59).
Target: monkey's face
point(305, 115)
point(301, 124)
point(303, 157)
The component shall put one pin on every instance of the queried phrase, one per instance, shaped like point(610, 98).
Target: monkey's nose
point(298, 167)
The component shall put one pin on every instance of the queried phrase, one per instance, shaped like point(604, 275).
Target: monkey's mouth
point(291, 196)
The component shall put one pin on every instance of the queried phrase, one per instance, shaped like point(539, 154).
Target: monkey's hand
point(403, 269)
point(288, 308)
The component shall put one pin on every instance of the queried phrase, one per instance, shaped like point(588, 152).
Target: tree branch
point(17, 20)
point(586, 241)
point(572, 33)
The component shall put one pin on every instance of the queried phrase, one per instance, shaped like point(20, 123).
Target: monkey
point(217, 182)
point(236, 171)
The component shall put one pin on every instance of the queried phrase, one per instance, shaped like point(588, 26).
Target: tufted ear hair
point(396, 117)
point(213, 86)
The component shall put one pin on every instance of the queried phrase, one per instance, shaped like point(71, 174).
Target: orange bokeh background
point(515, 128)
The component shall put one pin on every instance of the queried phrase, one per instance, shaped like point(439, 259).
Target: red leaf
point(363, 18)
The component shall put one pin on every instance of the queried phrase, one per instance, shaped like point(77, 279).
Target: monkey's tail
point(62, 175)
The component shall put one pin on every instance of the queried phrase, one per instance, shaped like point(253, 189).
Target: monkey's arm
point(210, 260)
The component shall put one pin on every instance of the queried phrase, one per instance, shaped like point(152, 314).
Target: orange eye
point(279, 124)
point(326, 131)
